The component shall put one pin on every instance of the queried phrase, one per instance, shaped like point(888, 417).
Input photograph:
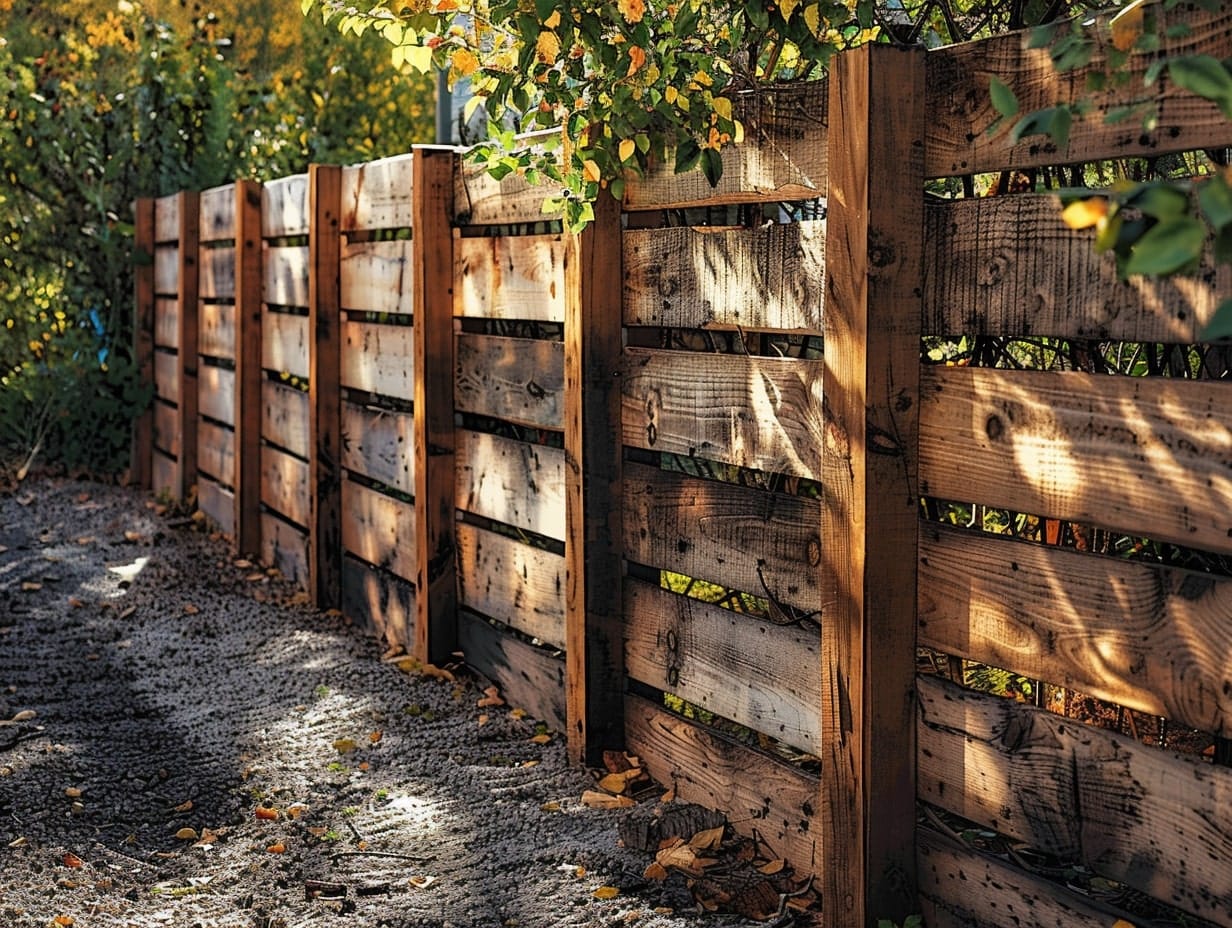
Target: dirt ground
point(183, 744)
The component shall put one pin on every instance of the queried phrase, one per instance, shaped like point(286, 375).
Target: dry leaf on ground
point(593, 799)
point(607, 892)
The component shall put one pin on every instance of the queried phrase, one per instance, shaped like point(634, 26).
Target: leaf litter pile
point(184, 741)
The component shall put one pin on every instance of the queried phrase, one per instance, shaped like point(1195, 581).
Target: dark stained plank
point(166, 323)
point(378, 444)
point(286, 548)
point(249, 382)
point(284, 485)
point(217, 502)
point(529, 678)
point(187, 306)
point(216, 453)
point(378, 602)
point(145, 337)
point(166, 434)
point(284, 417)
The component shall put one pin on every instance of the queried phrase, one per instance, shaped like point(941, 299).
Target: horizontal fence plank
point(216, 277)
point(167, 218)
point(771, 277)
point(510, 277)
point(379, 602)
point(377, 277)
point(216, 393)
point(519, 380)
point(762, 413)
point(216, 452)
point(1149, 638)
point(379, 529)
point(1129, 811)
point(284, 417)
point(164, 471)
point(166, 270)
point(377, 194)
point(378, 444)
point(755, 791)
point(764, 676)
point(167, 428)
point(217, 214)
point(285, 344)
point(378, 358)
point(511, 481)
point(284, 207)
point(216, 330)
point(167, 376)
point(286, 548)
point(529, 678)
point(284, 485)
point(481, 199)
point(961, 112)
point(1009, 266)
point(1148, 456)
point(768, 544)
point(217, 502)
point(166, 323)
point(284, 275)
point(515, 583)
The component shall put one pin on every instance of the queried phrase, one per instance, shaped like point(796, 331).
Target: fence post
point(869, 520)
point(187, 309)
point(594, 641)
point(432, 237)
point(140, 464)
point(247, 367)
point(324, 389)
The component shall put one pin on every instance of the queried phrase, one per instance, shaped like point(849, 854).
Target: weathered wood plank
point(218, 214)
point(960, 108)
point(378, 358)
point(377, 443)
point(478, 198)
point(529, 678)
point(217, 280)
point(377, 194)
point(167, 218)
point(284, 207)
point(379, 529)
point(216, 328)
point(1010, 266)
point(762, 413)
point(166, 428)
point(284, 485)
point(216, 393)
point(285, 344)
point(216, 453)
point(756, 792)
point(377, 277)
point(164, 471)
point(519, 380)
point(1130, 812)
point(767, 278)
point(145, 326)
point(167, 376)
point(514, 583)
point(284, 417)
point(506, 277)
point(379, 603)
point(286, 548)
point(764, 543)
point(285, 275)
point(166, 323)
point(249, 376)
point(166, 270)
point(510, 481)
point(1149, 638)
point(217, 502)
point(188, 304)
point(764, 676)
point(1147, 456)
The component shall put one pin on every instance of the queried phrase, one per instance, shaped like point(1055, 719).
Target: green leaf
point(1003, 99)
point(1215, 201)
point(1160, 200)
point(1205, 76)
point(712, 166)
point(1167, 247)
point(688, 153)
point(1220, 325)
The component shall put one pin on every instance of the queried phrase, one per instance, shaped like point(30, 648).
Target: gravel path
point(159, 687)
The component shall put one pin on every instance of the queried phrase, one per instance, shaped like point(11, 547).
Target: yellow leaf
point(627, 148)
point(723, 107)
point(1122, 923)
point(419, 57)
point(1082, 214)
point(772, 867)
point(703, 79)
point(632, 10)
point(541, 739)
point(593, 799)
point(637, 58)
point(788, 7)
point(465, 62)
point(345, 745)
point(65, 921)
point(607, 892)
point(186, 834)
point(708, 839)
point(547, 47)
point(550, 807)
point(590, 171)
point(670, 94)
point(278, 848)
point(1126, 26)
point(738, 134)
point(552, 21)
point(812, 19)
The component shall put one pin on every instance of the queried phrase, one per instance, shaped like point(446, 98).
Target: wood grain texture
point(1130, 812)
point(145, 336)
point(511, 481)
point(167, 218)
point(166, 428)
point(216, 453)
point(218, 213)
point(284, 485)
point(187, 305)
point(284, 417)
point(1149, 638)
point(217, 281)
point(768, 544)
point(378, 529)
point(519, 380)
point(1151, 457)
point(217, 502)
point(216, 325)
point(166, 269)
point(771, 277)
point(377, 194)
point(378, 358)
point(285, 274)
point(167, 376)
point(286, 548)
point(249, 376)
point(764, 676)
point(1010, 266)
point(761, 413)
point(507, 277)
point(961, 112)
point(756, 792)
point(480, 199)
point(284, 207)
point(378, 602)
point(377, 277)
point(517, 584)
point(529, 678)
point(166, 323)
point(163, 473)
point(216, 393)
point(285, 344)
point(378, 444)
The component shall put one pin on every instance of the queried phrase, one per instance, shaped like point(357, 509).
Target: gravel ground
point(161, 694)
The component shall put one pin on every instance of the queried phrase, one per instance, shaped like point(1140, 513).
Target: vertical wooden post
point(324, 399)
point(187, 306)
point(247, 367)
point(870, 514)
point(594, 640)
point(140, 467)
point(432, 236)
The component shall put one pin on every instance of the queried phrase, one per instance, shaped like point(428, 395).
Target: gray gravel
point(190, 692)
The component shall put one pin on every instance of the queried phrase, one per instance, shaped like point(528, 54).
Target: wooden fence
point(678, 461)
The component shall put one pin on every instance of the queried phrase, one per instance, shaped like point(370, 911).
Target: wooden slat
point(166, 269)
point(504, 277)
point(1149, 638)
point(757, 793)
point(167, 218)
point(216, 393)
point(519, 380)
point(378, 529)
point(284, 207)
point(377, 195)
point(166, 323)
point(529, 678)
point(217, 273)
point(285, 275)
point(511, 481)
point(1129, 811)
point(762, 413)
point(764, 543)
point(164, 470)
point(284, 344)
point(378, 358)
point(216, 325)
point(377, 277)
point(284, 417)
point(249, 376)
point(477, 198)
point(284, 485)
point(1010, 266)
point(218, 213)
point(145, 330)
point(518, 584)
point(767, 278)
point(286, 548)
point(379, 602)
point(188, 304)
point(960, 108)
point(1147, 456)
point(217, 502)
point(377, 443)
point(216, 452)
point(764, 676)
point(166, 428)
point(167, 376)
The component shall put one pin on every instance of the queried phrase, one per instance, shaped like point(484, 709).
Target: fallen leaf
point(190, 609)
point(72, 860)
point(18, 842)
point(207, 838)
point(518, 714)
point(593, 799)
point(76, 603)
point(317, 830)
point(656, 871)
point(187, 834)
point(375, 736)
point(184, 806)
point(266, 813)
point(440, 673)
point(541, 739)
point(296, 810)
point(132, 536)
point(550, 807)
point(615, 761)
point(243, 564)
point(489, 701)
point(669, 796)
point(422, 882)
point(345, 745)
point(25, 715)
point(64, 920)
point(607, 892)
point(619, 782)
point(772, 867)
point(363, 765)
point(276, 848)
point(72, 792)
point(530, 763)
point(83, 496)
point(31, 586)
point(483, 719)
point(708, 839)
point(255, 578)
point(86, 540)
